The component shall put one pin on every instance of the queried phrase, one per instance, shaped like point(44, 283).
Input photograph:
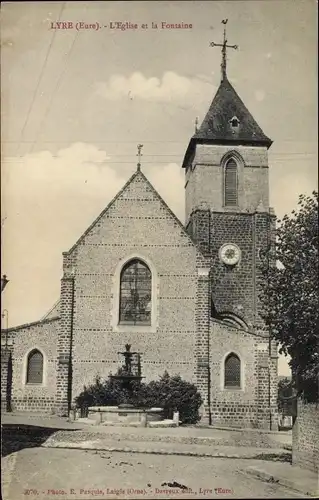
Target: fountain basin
point(124, 416)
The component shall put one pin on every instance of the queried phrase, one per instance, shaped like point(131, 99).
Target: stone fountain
point(126, 377)
point(126, 413)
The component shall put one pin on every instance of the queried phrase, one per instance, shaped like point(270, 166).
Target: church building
point(186, 297)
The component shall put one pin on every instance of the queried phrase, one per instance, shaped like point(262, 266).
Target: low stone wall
point(124, 415)
point(6, 373)
point(35, 404)
point(305, 437)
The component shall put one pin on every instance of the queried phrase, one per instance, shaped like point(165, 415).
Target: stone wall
point(252, 405)
point(202, 345)
point(233, 288)
point(41, 335)
point(266, 374)
point(233, 407)
point(6, 382)
point(204, 178)
point(64, 341)
point(137, 225)
point(305, 437)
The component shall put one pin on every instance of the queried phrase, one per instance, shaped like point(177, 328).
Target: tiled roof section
point(217, 123)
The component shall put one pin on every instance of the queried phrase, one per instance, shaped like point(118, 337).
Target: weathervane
point(139, 154)
point(224, 47)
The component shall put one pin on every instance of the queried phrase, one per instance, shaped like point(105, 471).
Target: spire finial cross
point(224, 46)
point(139, 154)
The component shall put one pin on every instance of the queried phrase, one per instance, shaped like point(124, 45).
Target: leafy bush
point(170, 393)
point(107, 393)
point(174, 394)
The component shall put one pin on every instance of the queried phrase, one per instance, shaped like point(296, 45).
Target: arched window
point(230, 183)
point(35, 367)
point(135, 294)
point(232, 371)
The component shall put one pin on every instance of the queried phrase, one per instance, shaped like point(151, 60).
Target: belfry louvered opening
point(230, 183)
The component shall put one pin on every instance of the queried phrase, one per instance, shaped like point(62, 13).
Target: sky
point(75, 104)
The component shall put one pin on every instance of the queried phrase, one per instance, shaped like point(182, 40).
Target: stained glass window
point(231, 183)
point(35, 367)
point(232, 371)
point(135, 294)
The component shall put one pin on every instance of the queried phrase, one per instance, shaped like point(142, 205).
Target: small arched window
point(35, 367)
point(232, 371)
point(230, 183)
point(135, 294)
point(234, 122)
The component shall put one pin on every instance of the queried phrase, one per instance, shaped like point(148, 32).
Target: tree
point(285, 395)
point(172, 393)
point(290, 294)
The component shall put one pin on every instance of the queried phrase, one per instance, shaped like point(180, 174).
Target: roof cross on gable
point(224, 47)
point(139, 154)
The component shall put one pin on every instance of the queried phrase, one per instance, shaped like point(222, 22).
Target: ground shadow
point(15, 437)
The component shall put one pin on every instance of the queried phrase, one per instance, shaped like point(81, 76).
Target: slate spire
point(229, 121)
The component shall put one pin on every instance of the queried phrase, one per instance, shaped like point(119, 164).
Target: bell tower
point(227, 198)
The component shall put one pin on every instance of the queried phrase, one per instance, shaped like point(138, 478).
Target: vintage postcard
point(148, 328)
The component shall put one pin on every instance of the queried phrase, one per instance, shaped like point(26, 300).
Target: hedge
point(171, 393)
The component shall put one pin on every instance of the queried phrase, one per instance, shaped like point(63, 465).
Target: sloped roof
point(126, 185)
point(41, 322)
point(52, 315)
point(217, 128)
point(53, 312)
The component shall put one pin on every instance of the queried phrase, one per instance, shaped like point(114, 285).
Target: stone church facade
point(184, 296)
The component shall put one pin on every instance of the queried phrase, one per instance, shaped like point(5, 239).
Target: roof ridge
point(50, 310)
point(32, 323)
point(170, 211)
point(103, 211)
